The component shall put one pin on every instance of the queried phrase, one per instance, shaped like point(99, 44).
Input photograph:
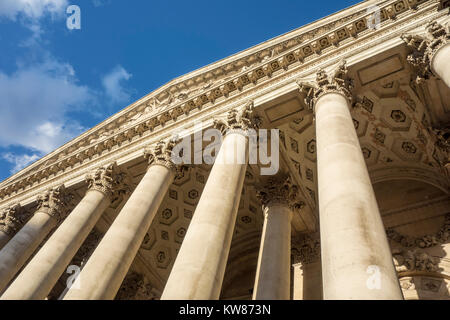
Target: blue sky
point(56, 83)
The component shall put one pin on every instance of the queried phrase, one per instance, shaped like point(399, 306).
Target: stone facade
point(359, 208)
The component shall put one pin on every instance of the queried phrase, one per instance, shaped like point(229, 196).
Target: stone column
point(305, 253)
point(431, 55)
point(200, 265)
point(356, 258)
point(43, 271)
point(52, 208)
point(107, 267)
point(11, 220)
point(279, 197)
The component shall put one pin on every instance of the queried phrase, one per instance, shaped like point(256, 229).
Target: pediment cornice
point(194, 92)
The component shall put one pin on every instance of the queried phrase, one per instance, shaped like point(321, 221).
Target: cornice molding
point(136, 126)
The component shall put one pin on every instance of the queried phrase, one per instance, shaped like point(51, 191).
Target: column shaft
point(107, 267)
point(17, 251)
point(44, 270)
point(355, 250)
point(274, 261)
point(4, 238)
point(200, 265)
point(440, 64)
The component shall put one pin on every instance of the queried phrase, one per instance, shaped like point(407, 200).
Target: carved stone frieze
point(414, 260)
point(441, 237)
point(306, 248)
point(12, 219)
point(424, 49)
point(241, 119)
point(56, 202)
point(279, 189)
point(109, 180)
point(338, 83)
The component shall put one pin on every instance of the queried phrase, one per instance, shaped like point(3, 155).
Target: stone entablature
point(139, 120)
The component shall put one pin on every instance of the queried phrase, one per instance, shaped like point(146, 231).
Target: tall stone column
point(279, 198)
point(107, 267)
point(356, 258)
point(200, 265)
point(43, 271)
point(11, 220)
point(52, 208)
point(431, 55)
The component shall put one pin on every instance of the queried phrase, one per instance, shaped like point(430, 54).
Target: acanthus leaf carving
point(279, 189)
point(55, 202)
point(306, 249)
point(424, 49)
point(338, 83)
point(109, 180)
point(12, 219)
point(239, 119)
point(414, 260)
point(426, 241)
point(161, 154)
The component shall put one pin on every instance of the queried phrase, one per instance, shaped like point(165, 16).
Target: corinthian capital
point(109, 180)
point(424, 49)
point(161, 154)
point(55, 202)
point(239, 119)
point(306, 248)
point(12, 219)
point(279, 189)
point(338, 83)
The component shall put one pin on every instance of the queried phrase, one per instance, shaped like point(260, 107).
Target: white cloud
point(34, 106)
point(32, 9)
point(113, 85)
point(30, 12)
point(19, 161)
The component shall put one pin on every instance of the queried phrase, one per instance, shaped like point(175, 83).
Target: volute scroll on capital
point(339, 83)
point(55, 202)
point(12, 219)
point(109, 180)
point(279, 190)
point(239, 120)
point(424, 49)
point(161, 154)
